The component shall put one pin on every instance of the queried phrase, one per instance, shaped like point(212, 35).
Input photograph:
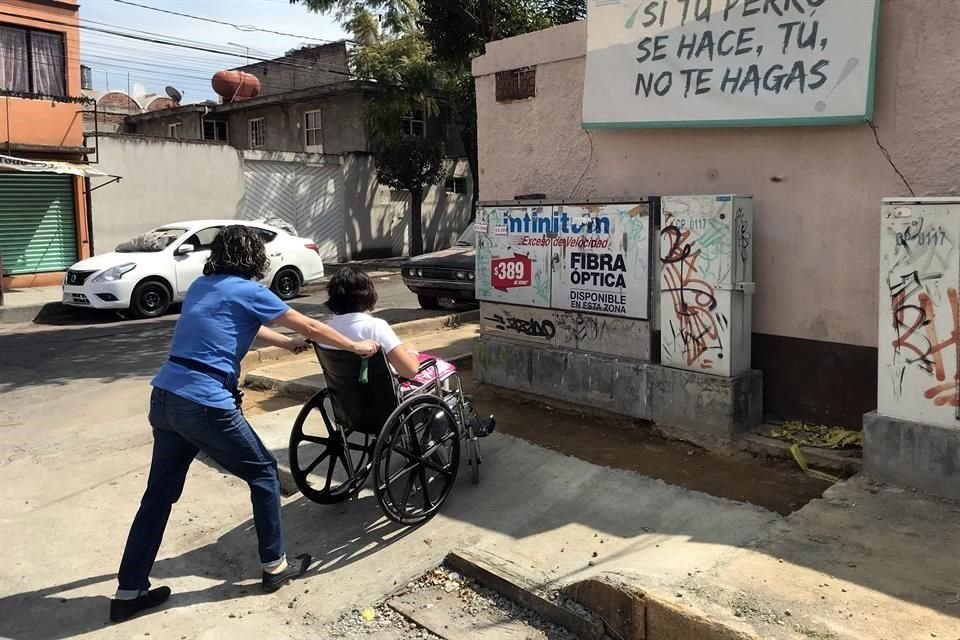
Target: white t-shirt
point(362, 326)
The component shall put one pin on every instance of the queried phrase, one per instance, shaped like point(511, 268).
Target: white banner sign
point(679, 63)
point(11, 163)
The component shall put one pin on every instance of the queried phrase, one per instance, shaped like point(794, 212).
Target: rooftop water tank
point(235, 85)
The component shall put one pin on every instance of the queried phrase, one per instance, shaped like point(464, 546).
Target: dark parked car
point(447, 274)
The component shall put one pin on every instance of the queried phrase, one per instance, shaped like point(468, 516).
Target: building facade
point(44, 224)
point(817, 189)
point(306, 156)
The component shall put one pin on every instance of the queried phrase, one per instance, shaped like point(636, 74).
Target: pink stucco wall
point(817, 189)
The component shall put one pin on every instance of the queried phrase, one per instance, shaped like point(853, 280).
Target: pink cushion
point(444, 368)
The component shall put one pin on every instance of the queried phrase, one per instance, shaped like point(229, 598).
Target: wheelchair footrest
point(482, 427)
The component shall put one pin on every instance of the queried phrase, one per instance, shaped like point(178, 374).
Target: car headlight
point(461, 275)
point(115, 273)
point(470, 275)
point(419, 273)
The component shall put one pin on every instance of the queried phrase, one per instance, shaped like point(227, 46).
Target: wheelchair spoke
point(436, 445)
point(333, 464)
point(316, 439)
point(313, 465)
point(436, 467)
point(409, 455)
point(423, 483)
point(406, 495)
point(401, 473)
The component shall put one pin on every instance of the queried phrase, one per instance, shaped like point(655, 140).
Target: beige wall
point(817, 189)
point(163, 181)
point(376, 217)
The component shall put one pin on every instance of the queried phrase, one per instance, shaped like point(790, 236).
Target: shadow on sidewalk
point(334, 542)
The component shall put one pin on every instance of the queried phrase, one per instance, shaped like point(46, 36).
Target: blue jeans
point(181, 429)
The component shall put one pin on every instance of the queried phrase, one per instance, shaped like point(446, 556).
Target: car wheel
point(150, 300)
point(428, 302)
point(286, 284)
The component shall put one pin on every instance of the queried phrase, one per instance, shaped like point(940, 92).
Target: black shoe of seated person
point(295, 569)
point(121, 610)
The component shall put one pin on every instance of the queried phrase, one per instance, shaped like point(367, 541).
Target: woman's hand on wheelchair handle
point(297, 344)
point(366, 348)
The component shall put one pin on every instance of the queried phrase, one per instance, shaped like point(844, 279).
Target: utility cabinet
point(706, 283)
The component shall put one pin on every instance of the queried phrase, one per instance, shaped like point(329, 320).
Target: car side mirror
point(184, 249)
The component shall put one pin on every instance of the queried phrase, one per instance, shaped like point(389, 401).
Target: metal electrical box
point(919, 329)
point(581, 257)
point(706, 283)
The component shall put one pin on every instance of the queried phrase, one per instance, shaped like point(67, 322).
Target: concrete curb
point(46, 312)
point(630, 613)
point(409, 329)
point(494, 573)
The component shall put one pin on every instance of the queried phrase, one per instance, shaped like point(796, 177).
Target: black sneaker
point(121, 610)
point(273, 581)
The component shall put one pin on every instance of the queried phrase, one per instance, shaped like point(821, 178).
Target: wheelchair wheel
point(328, 463)
point(416, 460)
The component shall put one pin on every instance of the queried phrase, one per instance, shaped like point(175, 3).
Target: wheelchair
point(366, 420)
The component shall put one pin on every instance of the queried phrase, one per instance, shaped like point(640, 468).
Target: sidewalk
point(23, 305)
point(865, 561)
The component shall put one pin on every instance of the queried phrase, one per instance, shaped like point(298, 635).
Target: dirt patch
point(443, 604)
point(623, 443)
point(259, 402)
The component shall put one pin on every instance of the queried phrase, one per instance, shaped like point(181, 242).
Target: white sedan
point(151, 272)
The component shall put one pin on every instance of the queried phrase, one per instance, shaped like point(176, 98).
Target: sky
point(125, 62)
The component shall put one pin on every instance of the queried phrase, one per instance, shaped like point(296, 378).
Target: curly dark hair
point(351, 291)
point(237, 251)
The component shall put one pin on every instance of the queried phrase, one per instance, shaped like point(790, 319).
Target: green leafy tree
point(411, 163)
point(450, 33)
point(406, 83)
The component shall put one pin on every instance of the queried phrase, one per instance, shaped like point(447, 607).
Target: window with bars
point(257, 133)
point(32, 61)
point(313, 131)
point(175, 130)
point(516, 84)
point(215, 130)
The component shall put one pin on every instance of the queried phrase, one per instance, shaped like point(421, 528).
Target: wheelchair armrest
point(426, 364)
point(429, 363)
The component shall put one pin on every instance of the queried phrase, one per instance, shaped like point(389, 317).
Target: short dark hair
point(237, 251)
point(351, 291)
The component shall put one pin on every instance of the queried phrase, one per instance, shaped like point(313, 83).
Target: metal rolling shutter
point(320, 211)
point(37, 223)
point(308, 197)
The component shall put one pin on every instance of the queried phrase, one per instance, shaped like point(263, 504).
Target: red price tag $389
point(510, 273)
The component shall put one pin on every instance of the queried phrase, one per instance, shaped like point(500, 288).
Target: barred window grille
point(517, 84)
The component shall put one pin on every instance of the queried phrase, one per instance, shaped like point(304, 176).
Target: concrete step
point(301, 378)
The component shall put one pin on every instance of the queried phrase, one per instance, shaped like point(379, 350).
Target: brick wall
point(302, 69)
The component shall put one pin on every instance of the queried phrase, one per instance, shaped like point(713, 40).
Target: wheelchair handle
point(364, 364)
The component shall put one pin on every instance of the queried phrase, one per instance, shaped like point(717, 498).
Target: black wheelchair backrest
point(363, 392)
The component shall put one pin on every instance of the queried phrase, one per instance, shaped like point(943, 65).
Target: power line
point(246, 28)
point(183, 46)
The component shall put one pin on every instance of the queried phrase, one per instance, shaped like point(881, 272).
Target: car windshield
point(152, 242)
point(468, 238)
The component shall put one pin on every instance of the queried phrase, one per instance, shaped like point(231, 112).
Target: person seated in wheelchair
point(351, 295)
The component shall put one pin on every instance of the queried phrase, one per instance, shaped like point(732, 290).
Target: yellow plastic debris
point(820, 436)
point(368, 614)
